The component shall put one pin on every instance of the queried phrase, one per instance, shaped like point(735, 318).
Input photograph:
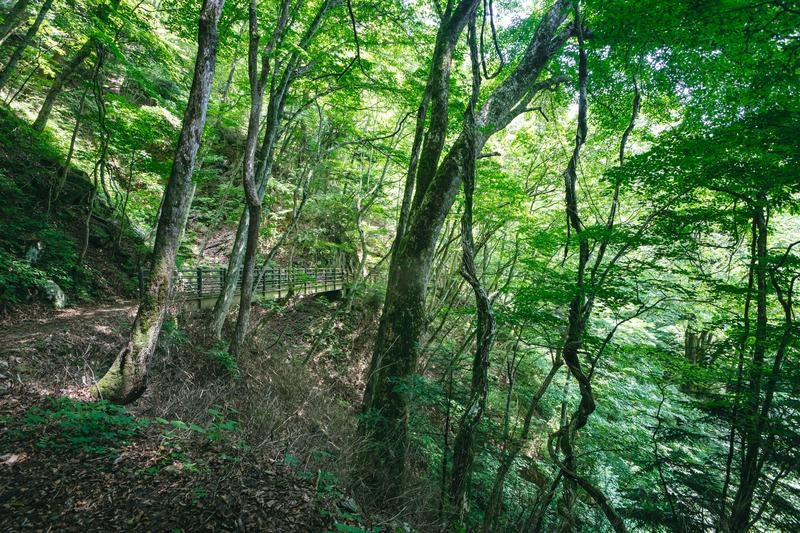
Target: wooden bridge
point(202, 286)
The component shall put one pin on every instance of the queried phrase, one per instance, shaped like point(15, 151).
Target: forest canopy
point(456, 265)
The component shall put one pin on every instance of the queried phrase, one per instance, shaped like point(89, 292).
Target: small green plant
point(172, 334)
point(220, 425)
point(215, 431)
point(198, 493)
point(98, 427)
point(219, 353)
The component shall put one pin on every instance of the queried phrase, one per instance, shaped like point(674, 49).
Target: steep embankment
point(38, 243)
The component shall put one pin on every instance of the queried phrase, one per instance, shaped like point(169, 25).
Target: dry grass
point(283, 405)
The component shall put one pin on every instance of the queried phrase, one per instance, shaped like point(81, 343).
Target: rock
point(34, 250)
point(54, 294)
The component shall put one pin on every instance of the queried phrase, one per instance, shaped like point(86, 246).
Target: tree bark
point(57, 185)
point(464, 446)
point(579, 313)
point(23, 45)
point(403, 322)
point(749, 471)
point(275, 111)
point(125, 381)
point(253, 196)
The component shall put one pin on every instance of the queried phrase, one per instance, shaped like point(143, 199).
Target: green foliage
point(220, 355)
point(715, 139)
point(219, 429)
point(172, 334)
point(97, 427)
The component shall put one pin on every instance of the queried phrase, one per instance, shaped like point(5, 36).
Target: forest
point(400, 265)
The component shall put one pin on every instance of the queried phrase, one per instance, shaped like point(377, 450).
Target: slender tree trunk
point(58, 84)
point(403, 321)
point(23, 45)
point(126, 379)
point(58, 186)
point(274, 116)
point(253, 196)
point(464, 446)
point(579, 313)
point(225, 300)
point(749, 472)
point(102, 161)
point(740, 349)
point(577, 320)
point(13, 17)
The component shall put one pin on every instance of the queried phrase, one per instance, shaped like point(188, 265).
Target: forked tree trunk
point(11, 65)
point(126, 379)
point(253, 197)
point(274, 115)
point(403, 322)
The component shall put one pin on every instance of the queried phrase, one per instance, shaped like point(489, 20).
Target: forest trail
point(142, 474)
point(18, 335)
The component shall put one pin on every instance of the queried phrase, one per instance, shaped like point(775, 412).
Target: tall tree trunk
point(403, 321)
point(253, 196)
point(126, 379)
point(579, 313)
point(274, 116)
point(464, 446)
point(577, 320)
point(102, 160)
point(71, 68)
point(57, 185)
point(23, 45)
point(749, 472)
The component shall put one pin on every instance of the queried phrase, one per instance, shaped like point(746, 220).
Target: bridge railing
point(207, 282)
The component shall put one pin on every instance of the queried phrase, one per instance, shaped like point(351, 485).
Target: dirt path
point(18, 335)
point(68, 465)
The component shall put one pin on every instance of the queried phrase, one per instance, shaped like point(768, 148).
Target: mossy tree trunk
point(125, 381)
point(403, 322)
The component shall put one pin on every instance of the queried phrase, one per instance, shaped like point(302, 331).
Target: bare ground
point(166, 479)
